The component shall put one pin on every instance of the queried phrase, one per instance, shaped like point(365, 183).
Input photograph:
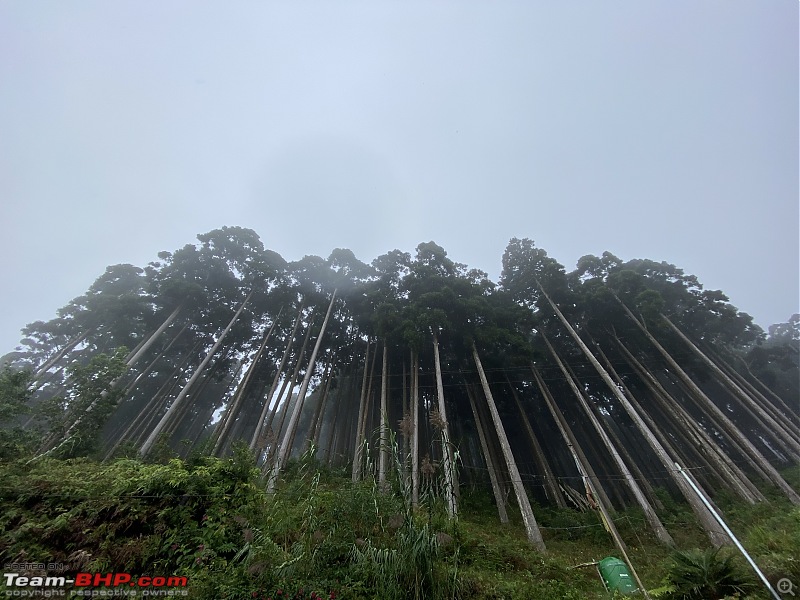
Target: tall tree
point(528, 518)
point(444, 431)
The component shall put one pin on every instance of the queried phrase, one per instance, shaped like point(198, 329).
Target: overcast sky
point(661, 129)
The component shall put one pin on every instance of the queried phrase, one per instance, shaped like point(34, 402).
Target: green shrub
point(705, 575)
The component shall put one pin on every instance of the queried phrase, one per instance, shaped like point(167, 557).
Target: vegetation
point(166, 418)
point(319, 535)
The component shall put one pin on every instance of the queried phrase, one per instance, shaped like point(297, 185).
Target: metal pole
point(728, 531)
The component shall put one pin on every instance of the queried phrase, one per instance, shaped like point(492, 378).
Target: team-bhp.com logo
point(121, 584)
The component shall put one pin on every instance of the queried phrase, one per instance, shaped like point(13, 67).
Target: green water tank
point(616, 576)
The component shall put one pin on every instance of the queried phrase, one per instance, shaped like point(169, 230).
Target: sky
point(665, 129)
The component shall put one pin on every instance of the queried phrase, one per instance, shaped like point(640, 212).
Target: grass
point(321, 536)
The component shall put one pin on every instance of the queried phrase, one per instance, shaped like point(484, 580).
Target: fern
point(704, 575)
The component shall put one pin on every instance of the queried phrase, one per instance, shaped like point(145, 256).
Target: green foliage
point(319, 535)
point(92, 398)
point(15, 393)
point(705, 575)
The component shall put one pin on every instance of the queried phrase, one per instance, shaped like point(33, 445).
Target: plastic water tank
point(616, 576)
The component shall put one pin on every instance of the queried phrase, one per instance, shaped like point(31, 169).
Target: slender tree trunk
point(268, 398)
point(725, 469)
point(306, 381)
point(655, 523)
point(550, 481)
point(499, 497)
point(40, 372)
point(289, 384)
point(358, 451)
point(414, 428)
point(703, 515)
point(118, 431)
point(574, 447)
point(447, 456)
point(383, 456)
point(143, 421)
point(774, 427)
point(148, 444)
point(129, 362)
point(617, 433)
point(233, 406)
point(531, 526)
point(319, 411)
point(331, 446)
point(286, 447)
point(144, 348)
point(727, 425)
point(687, 449)
point(369, 410)
point(779, 411)
point(594, 492)
point(776, 400)
point(200, 403)
point(206, 411)
point(160, 403)
point(405, 414)
point(153, 362)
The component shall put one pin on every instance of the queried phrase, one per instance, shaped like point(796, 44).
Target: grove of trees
point(579, 389)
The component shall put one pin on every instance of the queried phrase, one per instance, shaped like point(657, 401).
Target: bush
point(705, 575)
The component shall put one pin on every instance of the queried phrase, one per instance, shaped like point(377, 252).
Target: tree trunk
point(230, 414)
point(405, 415)
point(499, 497)
point(319, 412)
point(531, 527)
point(124, 426)
point(383, 456)
point(703, 515)
point(331, 445)
point(167, 322)
point(40, 372)
point(136, 430)
point(574, 447)
point(779, 411)
point(685, 449)
point(159, 403)
point(777, 401)
point(594, 492)
point(200, 403)
point(148, 444)
point(655, 523)
point(726, 424)
point(724, 468)
point(130, 360)
point(268, 398)
point(447, 456)
point(414, 428)
point(289, 384)
point(287, 439)
point(773, 427)
point(550, 482)
point(358, 451)
point(151, 365)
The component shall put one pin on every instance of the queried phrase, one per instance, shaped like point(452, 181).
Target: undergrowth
point(321, 536)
